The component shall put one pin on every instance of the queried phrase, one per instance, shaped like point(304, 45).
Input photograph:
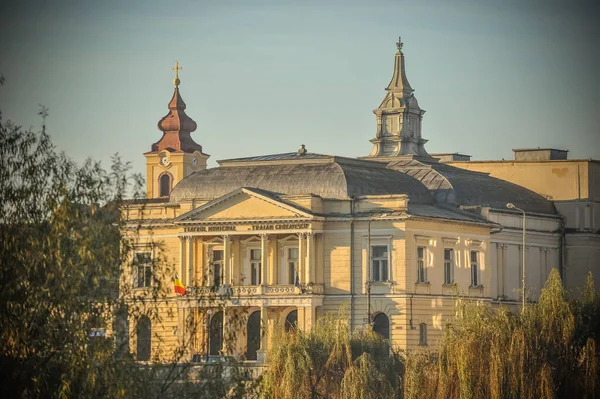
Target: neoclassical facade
point(282, 239)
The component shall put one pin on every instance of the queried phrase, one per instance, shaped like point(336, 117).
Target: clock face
point(164, 161)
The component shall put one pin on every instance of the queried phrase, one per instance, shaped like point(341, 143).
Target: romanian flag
point(179, 288)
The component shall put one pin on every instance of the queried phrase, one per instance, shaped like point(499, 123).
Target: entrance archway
point(291, 321)
point(253, 335)
point(381, 325)
point(216, 334)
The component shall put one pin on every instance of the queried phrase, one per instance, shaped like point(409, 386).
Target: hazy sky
point(263, 77)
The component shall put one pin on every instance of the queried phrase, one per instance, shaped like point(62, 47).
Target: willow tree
point(548, 351)
point(329, 362)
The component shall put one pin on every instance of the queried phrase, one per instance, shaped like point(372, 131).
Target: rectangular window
point(475, 277)
point(292, 261)
point(423, 334)
point(142, 269)
point(255, 267)
point(421, 270)
point(379, 263)
point(448, 266)
point(217, 267)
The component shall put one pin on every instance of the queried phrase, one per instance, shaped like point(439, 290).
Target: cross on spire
point(177, 68)
point(399, 44)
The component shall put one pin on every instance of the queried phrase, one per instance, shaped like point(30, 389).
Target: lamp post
point(512, 206)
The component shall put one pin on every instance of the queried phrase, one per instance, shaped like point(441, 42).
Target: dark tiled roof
point(278, 157)
point(460, 187)
point(335, 179)
point(442, 213)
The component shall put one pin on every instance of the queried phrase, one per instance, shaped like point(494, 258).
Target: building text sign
point(249, 227)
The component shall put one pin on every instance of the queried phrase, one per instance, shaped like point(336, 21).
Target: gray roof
point(278, 157)
point(460, 187)
point(336, 178)
point(437, 212)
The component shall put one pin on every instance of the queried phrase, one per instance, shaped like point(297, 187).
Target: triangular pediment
point(245, 204)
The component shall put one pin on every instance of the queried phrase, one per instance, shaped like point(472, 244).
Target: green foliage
point(548, 351)
point(329, 362)
point(59, 258)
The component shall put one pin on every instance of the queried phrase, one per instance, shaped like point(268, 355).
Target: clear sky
point(263, 77)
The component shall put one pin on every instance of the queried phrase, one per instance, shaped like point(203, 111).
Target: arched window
point(423, 334)
point(253, 332)
point(381, 325)
point(215, 334)
point(144, 339)
point(291, 321)
point(165, 184)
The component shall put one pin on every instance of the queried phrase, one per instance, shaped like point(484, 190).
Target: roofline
point(449, 153)
point(539, 149)
point(325, 159)
point(538, 161)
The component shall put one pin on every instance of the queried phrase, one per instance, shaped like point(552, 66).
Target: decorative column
point(264, 255)
point(200, 265)
point(264, 318)
point(310, 258)
point(301, 259)
point(225, 332)
point(182, 259)
point(189, 277)
point(226, 271)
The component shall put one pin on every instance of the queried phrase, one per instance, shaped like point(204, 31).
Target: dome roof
point(322, 175)
point(460, 187)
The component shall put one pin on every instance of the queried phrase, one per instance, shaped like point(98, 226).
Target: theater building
point(285, 238)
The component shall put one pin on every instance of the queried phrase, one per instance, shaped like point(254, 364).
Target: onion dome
point(176, 125)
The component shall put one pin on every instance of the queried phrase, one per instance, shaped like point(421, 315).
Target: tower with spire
point(176, 155)
point(399, 117)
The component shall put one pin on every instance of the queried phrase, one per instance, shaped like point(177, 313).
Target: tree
point(548, 351)
point(61, 249)
point(329, 362)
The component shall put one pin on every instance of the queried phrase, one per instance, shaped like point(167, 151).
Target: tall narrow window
point(448, 266)
point(142, 263)
point(215, 334)
point(217, 267)
point(423, 334)
point(291, 321)
point(165, 185)
point(421, 271)
point(379, 263)
point(255, 266)
point(144, 339)
point(253, 336)
point(292, 261)
point(475, 277)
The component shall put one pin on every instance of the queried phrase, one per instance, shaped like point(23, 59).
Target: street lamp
point(512, 206)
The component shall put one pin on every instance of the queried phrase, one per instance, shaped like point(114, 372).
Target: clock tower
point(176, 155)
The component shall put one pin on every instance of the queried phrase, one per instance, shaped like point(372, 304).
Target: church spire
point(399, 82)
point(176, 125)
point(176, 155)
point(399, 117)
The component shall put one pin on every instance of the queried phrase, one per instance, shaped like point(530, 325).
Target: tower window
point(165, 185)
